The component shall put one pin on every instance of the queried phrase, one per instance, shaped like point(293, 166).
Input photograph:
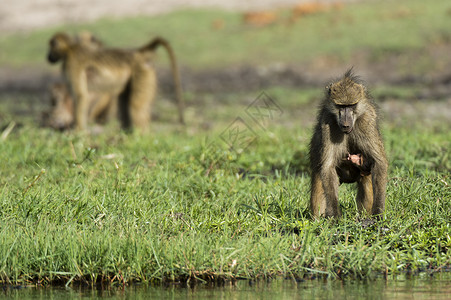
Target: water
point(421, 287)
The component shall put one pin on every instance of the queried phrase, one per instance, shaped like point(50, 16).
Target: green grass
point(382, 26)
point(177, 205)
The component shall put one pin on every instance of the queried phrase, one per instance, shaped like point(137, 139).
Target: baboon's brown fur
point(102, 108)
point(347, 147)
point(121, 73)
point(89, 40)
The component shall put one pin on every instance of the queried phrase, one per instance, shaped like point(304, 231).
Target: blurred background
point(231, 51)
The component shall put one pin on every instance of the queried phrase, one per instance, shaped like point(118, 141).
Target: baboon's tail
point(152, 46)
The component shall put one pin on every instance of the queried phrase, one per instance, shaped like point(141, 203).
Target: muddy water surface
point(419, 287)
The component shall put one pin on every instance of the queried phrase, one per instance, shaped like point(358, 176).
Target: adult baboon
point(117, 72)
point(102, 107)
point(347, 147)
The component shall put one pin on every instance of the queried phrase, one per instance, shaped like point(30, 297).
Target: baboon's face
point(346, 116)
point(61, 112)
point(58, 46)
point(344, 101)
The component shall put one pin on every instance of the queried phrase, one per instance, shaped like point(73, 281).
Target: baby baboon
point(117, 72)
point(102, 107)
point(61, 111)
point(347, 147)
point(87, 39)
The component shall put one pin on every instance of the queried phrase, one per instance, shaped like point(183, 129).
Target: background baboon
point(117, 72)
point(102, 107)
point(347, 147)
point(60, 116)
point(87, 39)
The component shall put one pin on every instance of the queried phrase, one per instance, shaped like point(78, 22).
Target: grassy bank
point(177, 205)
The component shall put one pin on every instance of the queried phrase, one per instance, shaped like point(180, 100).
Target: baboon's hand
point(356, 159)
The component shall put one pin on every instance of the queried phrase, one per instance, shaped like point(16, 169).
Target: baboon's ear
point(327, 88)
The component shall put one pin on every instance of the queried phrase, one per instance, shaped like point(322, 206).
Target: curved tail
point(152, 46)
